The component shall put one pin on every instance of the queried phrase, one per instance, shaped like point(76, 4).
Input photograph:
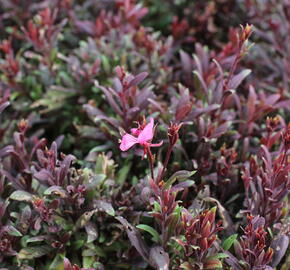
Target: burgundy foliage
point(144, 134)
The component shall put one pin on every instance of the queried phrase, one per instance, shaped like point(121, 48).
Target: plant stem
point(151, 162)
point(168, 154)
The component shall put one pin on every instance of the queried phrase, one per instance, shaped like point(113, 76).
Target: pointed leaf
point(92, 232)
point(153, 232)
point(212, 264)
point(135, 238)
point(21, 195)
point(31, 253)
point(279, 245)
point(219, 256)
point(106, 207)
point(229, 242)
point(56, 190)
point(237, 79)
point(13, 231)
point(139, 78)
point(179, 175)
point(159, 258)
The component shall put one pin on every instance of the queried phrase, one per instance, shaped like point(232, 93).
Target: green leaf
point(122, 174)
point(226, 245)
point(185, 265)
point(155, 236)
point(106, 63)
point(157, 207)
point(31, 253)
point(179, 175)
point(102, 238)
point(57, 263)
point(99, 164)
point(219, 256)
point(106, 207)
point(92, 232)
point(100, 148)
point(92, 252)
point(64, 77)
point(84, 219)
point(39, 238)
point(88, 261)
point(14, 232)
point(243, 263)
point(78, 244)
point(21, 195)
point(96, 180)
point(63, 223)
point(55, 190)
point(54, 98)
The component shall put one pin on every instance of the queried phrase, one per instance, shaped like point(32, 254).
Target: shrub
point(144, 134)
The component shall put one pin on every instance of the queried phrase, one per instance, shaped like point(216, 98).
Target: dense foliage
point(144, 134)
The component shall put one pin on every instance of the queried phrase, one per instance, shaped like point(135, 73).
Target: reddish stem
point(168, 154)
point(151, 161)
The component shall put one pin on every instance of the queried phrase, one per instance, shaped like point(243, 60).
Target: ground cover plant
point(144, 134)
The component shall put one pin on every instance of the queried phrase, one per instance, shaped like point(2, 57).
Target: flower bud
point(23, 126)
point(173, 133)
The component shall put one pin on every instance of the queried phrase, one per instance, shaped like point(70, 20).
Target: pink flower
point(141, 136)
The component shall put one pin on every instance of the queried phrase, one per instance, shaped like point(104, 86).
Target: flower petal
point(155, 144)
point(127, 142)
point(135, 131)
point(147, 133)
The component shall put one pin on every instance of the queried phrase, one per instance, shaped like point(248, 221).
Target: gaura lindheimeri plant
point(200, 233)
point(78, 72)
point(252, 251)
point(267, 185)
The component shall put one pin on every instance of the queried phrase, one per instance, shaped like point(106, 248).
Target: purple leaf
point(158, 258)
point(184, 105)
point(6, 151)
point(279, 245)
point(44, 176)
point(142, 99)
point(139, 78)
point(251, 103)
point(65, 164)
point(105, 206)
point(272, 99)
point(186, 62)
point(18, 139)
point(135, 238)
point(111, 100)
point(67, 264)
point(233, 261)
point(3, 106)
point(3, 206)
point(199, 111)
point(85, 26)
point(237, 79)
point(53, 149)
point(182, 185)
point(282, 104)
point(15, 182)
point(39, 144)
